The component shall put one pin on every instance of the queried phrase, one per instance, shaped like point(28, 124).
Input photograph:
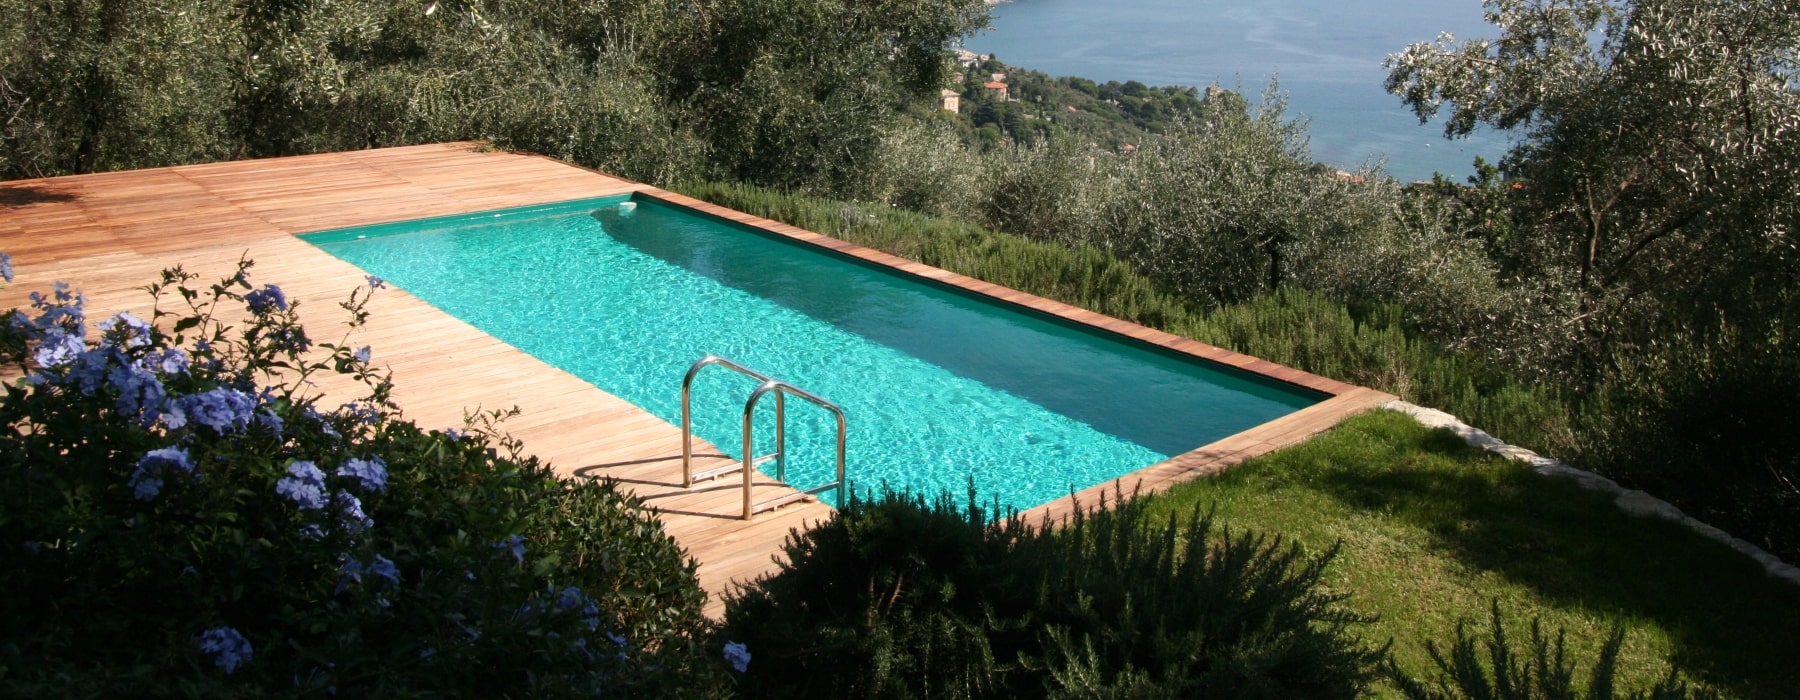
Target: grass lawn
point(1432, 530)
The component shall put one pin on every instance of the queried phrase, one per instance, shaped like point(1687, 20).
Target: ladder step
point(734, 467)
point(717, 472)
point(780, 501)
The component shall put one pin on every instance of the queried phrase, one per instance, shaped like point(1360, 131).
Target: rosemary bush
point(900, 598)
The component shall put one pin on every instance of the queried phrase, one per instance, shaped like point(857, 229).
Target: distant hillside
point(1000, 103)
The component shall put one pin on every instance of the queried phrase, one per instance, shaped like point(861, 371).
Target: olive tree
point(1656, 151)
point(1653, 222)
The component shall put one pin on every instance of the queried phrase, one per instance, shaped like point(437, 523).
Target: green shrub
point(181, 515)
point(1540, 671)
point(900, 598)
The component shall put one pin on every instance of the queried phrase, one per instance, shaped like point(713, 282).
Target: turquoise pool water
point(939, 386)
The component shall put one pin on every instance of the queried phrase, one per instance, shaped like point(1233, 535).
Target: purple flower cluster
point(269, 298)
point(738, 656)
point(305, 484)
point(6, 271)
point(223, 409)
point(350, 512)
point(125, 331)
point(141, 393)
point(147, 478)
point(352, 571)
point(514, 544)
point(371, 473)
point(226, 648)
point(57, 348)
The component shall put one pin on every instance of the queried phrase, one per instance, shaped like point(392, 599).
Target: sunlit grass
point(1432, 530)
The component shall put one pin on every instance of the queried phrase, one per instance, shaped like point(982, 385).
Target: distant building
point(998, 77)
point(1128, 149)
point(999, 88)
point(952, 100)
point(968, 59)
point(1212, 91)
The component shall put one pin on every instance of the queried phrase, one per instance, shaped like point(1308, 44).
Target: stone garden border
point(1629, 500)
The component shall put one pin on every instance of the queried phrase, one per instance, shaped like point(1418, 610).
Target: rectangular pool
point(941, 386)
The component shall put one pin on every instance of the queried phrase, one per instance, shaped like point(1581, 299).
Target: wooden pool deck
point(110, 234)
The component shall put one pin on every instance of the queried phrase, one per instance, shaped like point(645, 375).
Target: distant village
point(996, 87)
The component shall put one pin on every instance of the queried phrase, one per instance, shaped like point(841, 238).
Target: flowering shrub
point(182, 512)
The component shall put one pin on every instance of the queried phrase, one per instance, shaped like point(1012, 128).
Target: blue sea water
point(940, 388)
point(1326, 54)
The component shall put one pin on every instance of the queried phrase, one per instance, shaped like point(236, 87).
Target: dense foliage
point(1649, 230)
point(899, 598)
point(184, 514)
point(794, 91)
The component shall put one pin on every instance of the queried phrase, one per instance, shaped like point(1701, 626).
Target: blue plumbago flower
point(58, 348)
point(453, 434)
point(172, 416)
point(141, 394)
point(131, 331)
point(167, 361)
point(6, 271)
point(738, 656)
point(590, 615)
point(269, 298)
point(64, 310)
point(384, 567)
point(569, 598)
point(350, 510)
point(146, 479)
point(226, 648)
point(375, 282)
point(364, 354)
point(371, 473)
point(222, 409)
point(305, 484)
point(33, 545)
point(269, 418)
point(616, 639)
point(349, 572)
point(90, 369)
point(312, 532)
point(362, 411)
point(514, 544)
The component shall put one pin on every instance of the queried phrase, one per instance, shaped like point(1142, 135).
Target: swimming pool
point(941, 386)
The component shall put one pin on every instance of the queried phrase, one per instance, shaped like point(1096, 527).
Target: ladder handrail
point(782, 388)
point(687, 421)
point(769, 385)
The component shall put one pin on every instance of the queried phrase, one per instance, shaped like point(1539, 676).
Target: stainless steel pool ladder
point(749, 464)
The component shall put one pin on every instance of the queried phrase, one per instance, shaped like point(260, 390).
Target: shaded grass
point(1432, 530)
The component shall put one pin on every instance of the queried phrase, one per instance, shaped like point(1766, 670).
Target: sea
point(1326, 56)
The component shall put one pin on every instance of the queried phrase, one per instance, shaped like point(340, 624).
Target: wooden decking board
point(109, 234)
